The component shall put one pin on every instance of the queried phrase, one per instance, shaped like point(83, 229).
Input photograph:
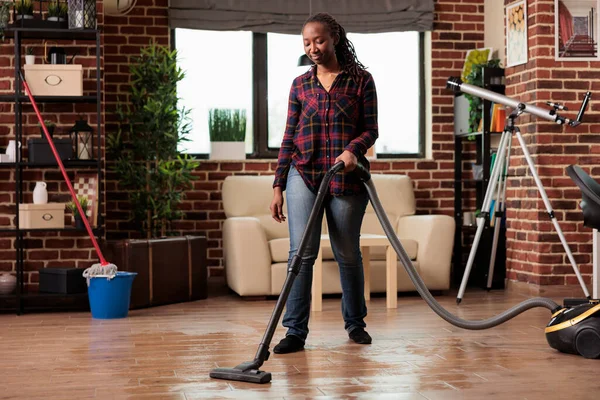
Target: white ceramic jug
point(40, 194)
point(11, 150)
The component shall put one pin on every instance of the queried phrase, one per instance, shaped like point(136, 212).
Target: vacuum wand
point(457, 85)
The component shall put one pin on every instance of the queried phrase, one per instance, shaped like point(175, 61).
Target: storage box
point(42, 216)
point(41, 153)
point(169, 270)
point(62, 280)
point(54, 79)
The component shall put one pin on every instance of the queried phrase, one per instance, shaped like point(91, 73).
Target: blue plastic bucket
point(109, 298)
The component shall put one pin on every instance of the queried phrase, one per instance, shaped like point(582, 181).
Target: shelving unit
point(479, 272)
point(18, 98)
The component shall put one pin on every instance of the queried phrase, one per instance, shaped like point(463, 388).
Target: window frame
point(260, 143)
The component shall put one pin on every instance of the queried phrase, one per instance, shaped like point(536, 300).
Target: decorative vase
point(40, 194)
point(12, 150)
point(8, 283)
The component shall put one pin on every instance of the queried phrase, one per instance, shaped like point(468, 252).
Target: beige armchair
point(256, 248)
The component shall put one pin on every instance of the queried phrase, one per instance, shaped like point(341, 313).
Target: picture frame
point(516, 34)
point(576, 30)
point(86, 184)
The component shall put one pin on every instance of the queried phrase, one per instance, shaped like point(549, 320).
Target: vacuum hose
point(420, 285)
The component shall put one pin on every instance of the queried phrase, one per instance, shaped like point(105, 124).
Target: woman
point(332, 117)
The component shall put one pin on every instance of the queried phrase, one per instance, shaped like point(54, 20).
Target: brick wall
point(535, 254)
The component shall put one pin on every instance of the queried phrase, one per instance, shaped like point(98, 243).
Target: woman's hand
point(349, 160)
point(277, 205)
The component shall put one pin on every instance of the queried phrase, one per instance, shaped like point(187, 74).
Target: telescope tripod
point(498, 182)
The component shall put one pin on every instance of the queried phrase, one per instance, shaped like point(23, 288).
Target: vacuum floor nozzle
point(234, 374)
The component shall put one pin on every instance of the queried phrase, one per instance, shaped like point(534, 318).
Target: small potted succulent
point(50, 125)
point(83, 201)
point(24, 9)
point(29, 56)
point(57, 11)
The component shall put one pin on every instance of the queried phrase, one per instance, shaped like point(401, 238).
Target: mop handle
point(62, 168)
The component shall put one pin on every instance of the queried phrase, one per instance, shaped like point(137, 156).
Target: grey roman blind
point(287, 16)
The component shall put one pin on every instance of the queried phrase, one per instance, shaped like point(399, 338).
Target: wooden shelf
point(50, 99)
point(66, 163)
point(50, 33)
point(96, 231)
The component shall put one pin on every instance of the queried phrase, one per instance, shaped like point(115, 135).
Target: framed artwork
point(576, 30)
point(86, 184)
point(516, 33)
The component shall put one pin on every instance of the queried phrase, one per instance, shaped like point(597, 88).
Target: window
point(258, 70)
point(218, 74)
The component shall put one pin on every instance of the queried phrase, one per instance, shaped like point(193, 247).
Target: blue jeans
point(344, 220)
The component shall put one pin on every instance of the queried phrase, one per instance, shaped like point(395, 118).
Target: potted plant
point(24, 9)
point(57, 11)
point(29, 57)
point(50, 125)
point(77, 218)
point(227, 130)
point(146, 150)
point(145, 156)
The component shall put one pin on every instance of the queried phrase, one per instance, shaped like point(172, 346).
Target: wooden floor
point(167, 353)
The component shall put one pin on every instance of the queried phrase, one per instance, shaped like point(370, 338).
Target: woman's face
point(319, 45)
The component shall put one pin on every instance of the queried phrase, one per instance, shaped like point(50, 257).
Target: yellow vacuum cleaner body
point(576, 330)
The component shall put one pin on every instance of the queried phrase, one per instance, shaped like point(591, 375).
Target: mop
point(104, 268)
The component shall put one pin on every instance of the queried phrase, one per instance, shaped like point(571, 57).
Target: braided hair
point(344, 49)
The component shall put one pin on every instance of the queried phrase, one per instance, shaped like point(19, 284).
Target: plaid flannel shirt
point(321, 125)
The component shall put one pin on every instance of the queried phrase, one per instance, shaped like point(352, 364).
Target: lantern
point(81, 137)
point(82, 14)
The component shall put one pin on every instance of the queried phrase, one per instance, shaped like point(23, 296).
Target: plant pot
point(227, 150)
point(26, 16)
point(29, 59)
point(109, 298)
point(50, 131)
point(79, 225)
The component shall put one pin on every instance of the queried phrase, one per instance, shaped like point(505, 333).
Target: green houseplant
point(227, 131)
point(57, 11)
point(154, 175)
point(475, 77)
point(50, 125)
point(71, 205)
point(24, 9)
point(145, 149)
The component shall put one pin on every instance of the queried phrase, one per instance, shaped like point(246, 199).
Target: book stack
point(498, 117)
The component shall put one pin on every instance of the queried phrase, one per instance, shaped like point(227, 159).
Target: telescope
point(457, 85)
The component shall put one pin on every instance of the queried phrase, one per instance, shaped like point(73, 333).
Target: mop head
point(98, 270)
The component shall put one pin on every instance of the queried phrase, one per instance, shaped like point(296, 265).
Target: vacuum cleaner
point(573, 330)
